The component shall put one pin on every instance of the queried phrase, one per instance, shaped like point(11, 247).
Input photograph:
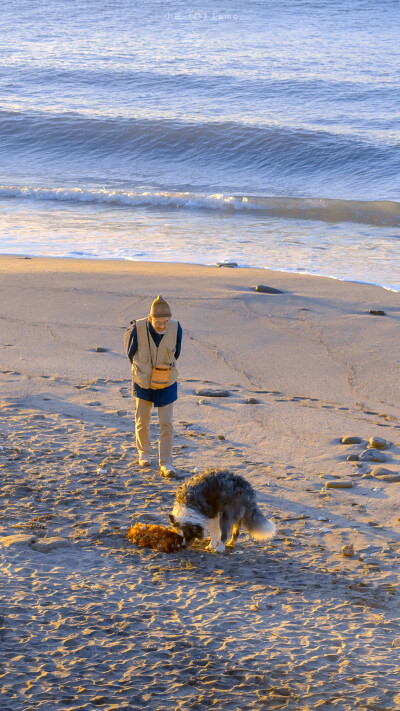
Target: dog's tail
point(258, 525)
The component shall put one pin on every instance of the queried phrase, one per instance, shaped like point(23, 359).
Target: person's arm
point(178, 342)
point(130, 340)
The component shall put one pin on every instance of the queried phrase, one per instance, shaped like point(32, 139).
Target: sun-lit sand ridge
point(87, 619)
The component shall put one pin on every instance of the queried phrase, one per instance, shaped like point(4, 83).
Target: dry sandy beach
point(89, 621)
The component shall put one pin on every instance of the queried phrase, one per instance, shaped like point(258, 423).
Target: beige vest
point(145, 357)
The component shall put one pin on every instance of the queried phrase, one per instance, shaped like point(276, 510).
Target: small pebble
point(230, 265)
point(352, 458)
point(378, 442)
point(208, 392)
point(348, 551)
point(339, 484)
point(376, 312)
point(221, 437)
point(351, 440)
point(263, 289)
point(253, 401)
point(99, 349)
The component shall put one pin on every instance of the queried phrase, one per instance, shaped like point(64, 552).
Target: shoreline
point(288, 623)
point(198, 264)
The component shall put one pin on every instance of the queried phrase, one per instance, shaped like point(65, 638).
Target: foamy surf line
point(383, 213)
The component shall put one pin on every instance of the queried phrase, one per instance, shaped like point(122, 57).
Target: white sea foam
point(377, 212)
point(130, 197)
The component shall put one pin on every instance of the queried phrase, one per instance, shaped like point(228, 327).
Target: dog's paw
point(220, 548)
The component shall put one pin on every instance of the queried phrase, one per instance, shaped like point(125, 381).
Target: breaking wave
point(382, 213)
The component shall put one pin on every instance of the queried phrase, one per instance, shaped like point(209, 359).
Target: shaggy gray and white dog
point(216, 503)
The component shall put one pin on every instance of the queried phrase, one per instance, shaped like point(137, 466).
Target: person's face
point(160, 323)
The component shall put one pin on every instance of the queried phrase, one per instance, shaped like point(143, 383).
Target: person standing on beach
point(153, 345)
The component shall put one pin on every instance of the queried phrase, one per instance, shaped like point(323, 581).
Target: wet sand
point(87, 619)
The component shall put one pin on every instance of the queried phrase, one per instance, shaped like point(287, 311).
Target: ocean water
point(264, 132)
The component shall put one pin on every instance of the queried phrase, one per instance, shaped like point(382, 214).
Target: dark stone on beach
point(351, 440)
point(212, 393)
point(263, 289)
point(372, 455)
point(221, 438)
point(99, 349)
point(352, 458)
point(253, 401)
point(376, 312)
point(229, 265)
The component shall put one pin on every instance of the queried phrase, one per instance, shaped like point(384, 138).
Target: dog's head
point(189, 531)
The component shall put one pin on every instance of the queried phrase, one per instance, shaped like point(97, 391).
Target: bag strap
point(148, 339)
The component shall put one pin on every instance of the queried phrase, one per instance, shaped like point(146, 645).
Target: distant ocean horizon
point(264, 133)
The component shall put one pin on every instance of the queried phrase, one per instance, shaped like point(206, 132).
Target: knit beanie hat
point(160, 308)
